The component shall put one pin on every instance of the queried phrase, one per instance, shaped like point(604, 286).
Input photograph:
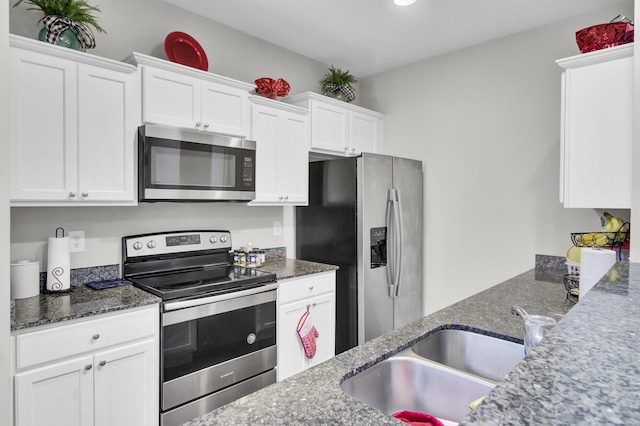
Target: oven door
point(209, 347)
point(181, 165)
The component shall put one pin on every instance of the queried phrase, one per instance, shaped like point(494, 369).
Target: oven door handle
point(187, 310)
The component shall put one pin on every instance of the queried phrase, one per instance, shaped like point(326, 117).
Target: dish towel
point(415, 418)
point(308, 334)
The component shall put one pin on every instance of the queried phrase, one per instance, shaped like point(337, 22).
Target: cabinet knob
point(96, 336)
point(85, 194)
point(346, 149)
point(102, 363)
point(72, 194)
point(310, 288)
point(198, 124)
point(353, 150)
point(88, 367)
point(206, 125)
point(286, 197)
point(280, 198)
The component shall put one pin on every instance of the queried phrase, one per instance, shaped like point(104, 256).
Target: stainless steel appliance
point(184, 165)
point(218, 321)
point(365, 215)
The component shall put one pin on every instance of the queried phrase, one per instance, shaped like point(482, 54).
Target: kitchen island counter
point(585, 371)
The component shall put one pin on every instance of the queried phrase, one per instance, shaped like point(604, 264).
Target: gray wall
point(230, 53)
point(485, 121)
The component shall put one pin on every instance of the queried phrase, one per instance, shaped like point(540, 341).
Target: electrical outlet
point(277, 229)
point(76, 241)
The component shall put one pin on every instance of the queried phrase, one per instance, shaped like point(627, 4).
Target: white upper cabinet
point(177, 95)
point(72, 127)
point(339, 128)
point(595, 153)
point(282, 152)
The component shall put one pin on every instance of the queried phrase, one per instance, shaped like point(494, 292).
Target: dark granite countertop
point(81, 302)
point(291, 268)
point(586, 370)
point(48, 308)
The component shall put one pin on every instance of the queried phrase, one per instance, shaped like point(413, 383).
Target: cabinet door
point(291, 357)
point(329, 128)
point(126, 385)
point(106, 135)
point(597, 135)
point(293, 154)
point(264, 126)
point(42, 129)
point(323, 311)
point(364, 133)
point(57, 395)
point(225, 110)
point(170, 98)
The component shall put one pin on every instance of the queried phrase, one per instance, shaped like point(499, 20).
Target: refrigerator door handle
point(390, 239)
point(398, 241)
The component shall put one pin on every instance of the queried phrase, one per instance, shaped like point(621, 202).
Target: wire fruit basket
point(572, 284)
point(613, 240)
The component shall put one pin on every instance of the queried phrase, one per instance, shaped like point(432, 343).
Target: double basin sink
point(439, 375)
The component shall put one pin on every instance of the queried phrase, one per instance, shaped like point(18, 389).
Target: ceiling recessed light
point(404, 2)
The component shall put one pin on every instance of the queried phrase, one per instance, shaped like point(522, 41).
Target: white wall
point(143, 28)
point(635, 206)
point(485, 121)
point(5, 383)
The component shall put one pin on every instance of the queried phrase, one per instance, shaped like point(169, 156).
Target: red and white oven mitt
point(308, 334)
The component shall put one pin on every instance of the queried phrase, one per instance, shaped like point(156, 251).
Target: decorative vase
point(67, 38)
point(341, 93)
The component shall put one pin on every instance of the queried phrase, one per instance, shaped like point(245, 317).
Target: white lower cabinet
point(317, 294)
point(89, 381)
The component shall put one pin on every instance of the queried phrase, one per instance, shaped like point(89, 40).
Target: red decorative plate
point(184, 49)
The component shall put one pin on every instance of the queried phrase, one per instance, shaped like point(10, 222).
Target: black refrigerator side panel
point(326, 232)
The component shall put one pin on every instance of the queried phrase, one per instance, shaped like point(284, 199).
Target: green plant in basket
point(338, 84)
point(63, 16)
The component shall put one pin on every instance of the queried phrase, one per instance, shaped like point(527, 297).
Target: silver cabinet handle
point(206, 125)
point(96, 336)
point(85, 194)
point(88, 367)
point(102, 363)
point(286, 197)
point(280, 198)
point(72, 194)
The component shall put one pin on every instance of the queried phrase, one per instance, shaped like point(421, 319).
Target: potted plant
point(338, 84)
point(66, 22)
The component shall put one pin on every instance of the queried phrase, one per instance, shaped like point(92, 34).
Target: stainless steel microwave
point(184, 165)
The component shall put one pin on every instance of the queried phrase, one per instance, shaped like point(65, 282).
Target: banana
point(614, 226)
point(595, 239)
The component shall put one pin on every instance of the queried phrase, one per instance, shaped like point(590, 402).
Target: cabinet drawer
point(68, 340)
point(302, 288)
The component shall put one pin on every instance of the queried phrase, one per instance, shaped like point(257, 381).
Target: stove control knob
point(137, 245)
point(151, 244)
point(213, 240)
point(223, 239)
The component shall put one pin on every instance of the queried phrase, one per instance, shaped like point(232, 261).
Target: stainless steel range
point(218, 324)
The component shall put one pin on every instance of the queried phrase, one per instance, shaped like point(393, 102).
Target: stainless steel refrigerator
point(365, 214)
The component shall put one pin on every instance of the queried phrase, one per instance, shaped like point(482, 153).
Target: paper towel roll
point(25, 279)
point(58, 264)
point(594, 263)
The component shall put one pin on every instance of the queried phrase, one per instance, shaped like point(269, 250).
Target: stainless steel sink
point(478, 354)
point(405, 382)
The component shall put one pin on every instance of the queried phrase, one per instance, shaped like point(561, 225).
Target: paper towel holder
point(60, 228)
